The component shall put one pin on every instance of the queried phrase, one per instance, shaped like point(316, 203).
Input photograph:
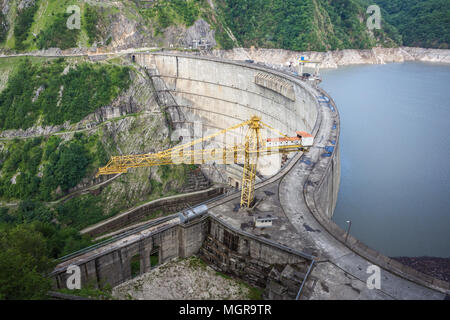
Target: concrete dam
point(302, 254)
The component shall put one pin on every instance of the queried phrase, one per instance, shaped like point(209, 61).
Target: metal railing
point(304, 280)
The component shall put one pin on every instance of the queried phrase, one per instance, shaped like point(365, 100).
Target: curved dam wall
point(222, 94)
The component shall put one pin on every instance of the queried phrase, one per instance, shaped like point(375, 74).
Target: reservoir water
point(395, 155)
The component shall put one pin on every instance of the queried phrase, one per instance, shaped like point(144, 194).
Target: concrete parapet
point(276, 84)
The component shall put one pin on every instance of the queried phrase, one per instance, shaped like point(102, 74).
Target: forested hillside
point(421, 23)
point(52, 144)
point(64, 92)
point(317, 25)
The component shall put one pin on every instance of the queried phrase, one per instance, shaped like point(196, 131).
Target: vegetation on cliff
point(28, 249)
point(44, 92)
point(298, 24)
point(167, 13)
point(44, 169)
point(317, 25)
point(23, 260)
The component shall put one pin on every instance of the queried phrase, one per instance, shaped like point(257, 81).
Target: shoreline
point(338, 58)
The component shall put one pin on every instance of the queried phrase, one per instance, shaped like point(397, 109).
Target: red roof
point(303, 134)
point(283, 139)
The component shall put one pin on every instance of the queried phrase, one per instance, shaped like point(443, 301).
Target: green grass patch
point(254, 293)
point(135, 265)
point(91, 19)
point(105, 293)
point(195, 262)
point(81, 212)
point(23, 23)
point(61, 97)
point(175, 12)
point(35, 168)
point(57, 35)
point(223, 275)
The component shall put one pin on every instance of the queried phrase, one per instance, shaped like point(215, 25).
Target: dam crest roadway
point(303, 254)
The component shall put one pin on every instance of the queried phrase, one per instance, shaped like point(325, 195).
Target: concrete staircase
point(196, 181)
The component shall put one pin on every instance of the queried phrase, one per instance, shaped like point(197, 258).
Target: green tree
point(57, 35)
point(92, 18)
point(420, 23)
point(23, 264)
point(23, 24)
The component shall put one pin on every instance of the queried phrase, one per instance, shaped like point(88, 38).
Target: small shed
point(306, 138)
point(264, 221)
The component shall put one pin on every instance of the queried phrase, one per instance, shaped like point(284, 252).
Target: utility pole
point(348, 229)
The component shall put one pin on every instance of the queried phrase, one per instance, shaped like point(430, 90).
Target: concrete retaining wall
point(246, 256)
point(113, 266)
point(252, 259)
point(168, 205)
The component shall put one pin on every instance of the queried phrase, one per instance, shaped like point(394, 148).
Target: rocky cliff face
point(334, 59)
point(139, 97)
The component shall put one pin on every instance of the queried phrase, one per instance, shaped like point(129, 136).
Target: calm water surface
point(395, 155)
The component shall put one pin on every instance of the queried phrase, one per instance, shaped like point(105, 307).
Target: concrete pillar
point(89, 274)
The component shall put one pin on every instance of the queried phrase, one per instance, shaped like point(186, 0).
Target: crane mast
point(252, 143)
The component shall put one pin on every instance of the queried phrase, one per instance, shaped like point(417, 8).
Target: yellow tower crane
point(248, 152)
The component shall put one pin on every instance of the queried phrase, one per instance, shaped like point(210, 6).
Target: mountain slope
point(290, 24)
point(421, 23)
point(317, 25)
